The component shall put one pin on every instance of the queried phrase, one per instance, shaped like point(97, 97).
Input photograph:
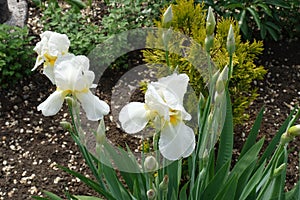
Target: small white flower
point(164, 106)
point(51, 46)
point(73, 77)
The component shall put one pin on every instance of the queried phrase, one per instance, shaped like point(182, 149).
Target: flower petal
point(176, 83)
point(49, 72)
point(71, 73)
point(176, 141)
point(52, 104)
point(58, 44)
point(155, 102)
point(38, 62)
point(92, 105)
point(133, 117)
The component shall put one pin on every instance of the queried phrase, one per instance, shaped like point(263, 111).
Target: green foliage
point(253, 176)
point(190, 20)
point(16, 58)
point(126, 15)
point(84, 35)
point(77, 5)
point(266, 17)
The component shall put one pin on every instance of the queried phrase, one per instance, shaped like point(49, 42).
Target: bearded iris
point(73, 78)
point(164, 107)
point(52, 46)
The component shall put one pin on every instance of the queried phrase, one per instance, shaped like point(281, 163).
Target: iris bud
point(230, 44)
point(210, 22)
point(100, 134)
point(150, 163)
point(209, 42)
point(66, 125)
point(168, 15)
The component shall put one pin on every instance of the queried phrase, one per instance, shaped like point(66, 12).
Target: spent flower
point(73, 77)
point(164, 107)
point(151, 194)
point(51, 46)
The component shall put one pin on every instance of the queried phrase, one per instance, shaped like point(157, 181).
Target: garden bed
point(31, 144)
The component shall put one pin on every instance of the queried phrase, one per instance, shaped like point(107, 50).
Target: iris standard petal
point(156, 103)
point(92, 105)
point(133, 117)
point(176, 141)
point(58, 44)
point(83, 61)
point(177, 83)
point(65, 75)
point(70, 73)
point(52, 104)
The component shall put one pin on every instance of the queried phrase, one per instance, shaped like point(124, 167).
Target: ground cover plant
point(158, 175)
point(15, 54)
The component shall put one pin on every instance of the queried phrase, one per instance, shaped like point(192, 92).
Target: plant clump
point(15, 54)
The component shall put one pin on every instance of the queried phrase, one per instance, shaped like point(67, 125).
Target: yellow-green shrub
point(190, 20)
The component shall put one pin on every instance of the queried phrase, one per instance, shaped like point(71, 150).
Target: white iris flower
point(51, 46)
point(164, 106)
point(73, 77)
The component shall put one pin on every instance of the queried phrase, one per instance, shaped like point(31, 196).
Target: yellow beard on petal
point(71, 92)
point(174, 117)
point(50, 59)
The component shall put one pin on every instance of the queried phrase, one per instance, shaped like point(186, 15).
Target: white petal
point(52, 104)
point(176, 141)
point(38, 62)
point(46, 34)
point(133, 117)
point(155, 102)
point(176, 83)
point(168, 15)
point(66, 75)
point(92, 105)
point(65, 57)
point(171, 99)
point(48, 71)
point(84, 62)
point(70, 73)
point(58, 44)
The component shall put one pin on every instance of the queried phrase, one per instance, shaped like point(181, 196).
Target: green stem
point(209, 66)
point(167, 56)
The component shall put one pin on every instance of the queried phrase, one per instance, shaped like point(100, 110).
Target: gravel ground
point(31, 145)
